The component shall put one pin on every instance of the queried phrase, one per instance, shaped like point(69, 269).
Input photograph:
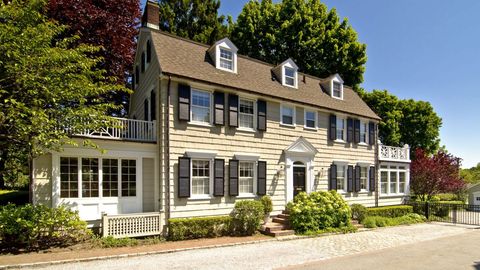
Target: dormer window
point(337, 90)
point(224, 55)
point(289, 75)
point(226, 59)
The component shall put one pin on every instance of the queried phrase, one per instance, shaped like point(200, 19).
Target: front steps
point(280, 226)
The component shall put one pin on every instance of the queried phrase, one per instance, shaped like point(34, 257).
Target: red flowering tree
point(431, 175)
point(113, 25)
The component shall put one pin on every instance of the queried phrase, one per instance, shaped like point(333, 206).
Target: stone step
point(280, 233)
point(285, 212)
point(281, 220)
point(284, 216)
point(276, 228)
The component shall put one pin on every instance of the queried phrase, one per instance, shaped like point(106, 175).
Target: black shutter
point(357, 131)
point(218, 180)
point(233, 177)
point(183, 102)
point(371, 133)
point(372, 183)
point(149, 51)
point(137, 75)
point(262, 178)
point(332, 184)
point(233, 110)
point(219, 113)
point(357, 179)
point(143, 62)
point(183, 177)
point(333, 127)
point(153, 105)
point(262, 115)
point(350, 179)
point(145, 110)
point(349, 130)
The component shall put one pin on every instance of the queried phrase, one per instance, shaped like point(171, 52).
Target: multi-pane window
point(200, 106)
point(110, 177)
point(289, 76)
point(363, 178)
point(245, 181)
point(246, 113)
point(340, 177)
point(337, 90)
point(363, 132)
point(340, 128)
point(129, 178)
point(200, 177)
point(401, 182)
point(226, 59)
point(90, 177)
point(287, 115)
point(393, 181)
point(384, 182)
point(68, 177)
point(310, 119)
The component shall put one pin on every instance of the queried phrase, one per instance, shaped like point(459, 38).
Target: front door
point(298, 180)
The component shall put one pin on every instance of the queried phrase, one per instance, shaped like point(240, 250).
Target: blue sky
point(426, 50)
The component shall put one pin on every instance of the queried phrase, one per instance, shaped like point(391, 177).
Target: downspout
point(377, 166)
point(167, 154)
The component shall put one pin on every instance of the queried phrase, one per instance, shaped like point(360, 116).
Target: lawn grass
point(18, 197)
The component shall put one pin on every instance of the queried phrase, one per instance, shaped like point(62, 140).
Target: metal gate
point(446, 212)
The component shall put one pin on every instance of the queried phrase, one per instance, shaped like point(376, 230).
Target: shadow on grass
point(18, 197)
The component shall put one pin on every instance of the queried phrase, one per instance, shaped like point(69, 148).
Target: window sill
point(362, 144)
point(244, 129)
point(392, 195)
point(340, 141)
point(200, 197)
point(200, 124)
point(287, 125)
point(247, 196)
point(310, 128)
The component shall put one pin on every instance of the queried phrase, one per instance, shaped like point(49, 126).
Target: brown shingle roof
point(185, 58)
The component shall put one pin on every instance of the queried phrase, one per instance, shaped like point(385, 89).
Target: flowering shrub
point(318, 211)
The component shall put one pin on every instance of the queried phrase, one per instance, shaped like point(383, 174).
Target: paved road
point(449, 253)
point(276, 254)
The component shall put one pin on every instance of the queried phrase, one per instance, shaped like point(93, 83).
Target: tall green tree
point(405, 121)
point(319, 42)
point(47, 84)
point(471, 175)
point(197, 20)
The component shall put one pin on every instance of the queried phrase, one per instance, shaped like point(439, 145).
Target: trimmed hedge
point(390, 211)
point(377, 221)
point(199, 227)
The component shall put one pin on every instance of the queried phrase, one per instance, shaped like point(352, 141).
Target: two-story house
point(209, 127)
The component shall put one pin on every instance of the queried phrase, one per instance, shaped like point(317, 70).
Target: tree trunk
point(30, 177)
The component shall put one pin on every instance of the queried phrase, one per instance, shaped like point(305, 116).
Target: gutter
point(167, 155)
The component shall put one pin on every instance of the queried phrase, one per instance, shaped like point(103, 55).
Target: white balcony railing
point(125, 129)
point(392, 153)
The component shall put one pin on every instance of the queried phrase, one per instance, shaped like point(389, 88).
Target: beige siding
point(269, 145)
point(42, 174)
point(395, 200)
point(148, 185)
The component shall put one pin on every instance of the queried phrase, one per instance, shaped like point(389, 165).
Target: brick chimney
point(151, 16)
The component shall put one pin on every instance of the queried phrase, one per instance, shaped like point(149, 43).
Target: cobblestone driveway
point(269, 255)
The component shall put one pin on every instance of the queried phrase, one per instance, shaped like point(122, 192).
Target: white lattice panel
point(131, 225)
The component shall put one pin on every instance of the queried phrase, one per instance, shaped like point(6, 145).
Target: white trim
point(305, 110)
point(210, 180)
point(201, 154)
point(396, 170)
point(210, 115)
point(254, 102)
point(254, 180)
point(294, 117)
point(246, 157)
point(225, 44)
point(290, 64)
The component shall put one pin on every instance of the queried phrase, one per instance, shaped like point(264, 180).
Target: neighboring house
point(217, 127)
point(473, 192)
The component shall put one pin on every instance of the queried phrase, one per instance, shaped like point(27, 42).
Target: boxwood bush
point(199, 227)
point(359, 212)
point(377, 221)
point(38, 226)
point(390, 211)
point(318, 211)
point(246, 217)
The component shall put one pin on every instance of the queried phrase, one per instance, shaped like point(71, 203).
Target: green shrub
point(359, 212)
point(111, 242)
point(200, 227)
point(447, 197)
point(318, 211)
point(379, 221)
point(390, 211)
point(246, 217)
point(267, 204)
point(38, 226)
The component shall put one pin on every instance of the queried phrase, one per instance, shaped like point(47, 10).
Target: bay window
point(393, 179)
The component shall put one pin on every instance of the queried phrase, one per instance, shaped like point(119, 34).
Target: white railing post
point(104, 225)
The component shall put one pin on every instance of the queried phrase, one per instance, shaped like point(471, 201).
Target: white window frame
point(365, 125)
point(389, 169)
point(254, 180)
point(254, 128)
point(220, 58)
point(201, 123)
point(344, 132)
point(341, 90)
point(282, 106)
point(202, 155)
point(248, 157)
point(344, 164)
point(284, 76)
point(210, 179)
point(315, 119)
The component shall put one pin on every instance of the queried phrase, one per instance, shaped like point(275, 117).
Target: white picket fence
point(131, 225)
